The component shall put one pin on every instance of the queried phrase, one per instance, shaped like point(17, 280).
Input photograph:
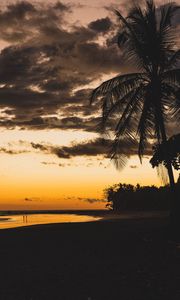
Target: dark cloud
point(92, 200)
point(28, 199)
point(64, 165)
point(72, 163)
point(133, 167)
point(62, 7)
point(39, 146)
point(87, 200)
point(20, 21)
point(12, 151)
point(99, 148)
point(32, 199)
point(101, 25)
point(89, 148)
point(49, 66)
point(92, 148)
point(47, 163)
point(44, 69)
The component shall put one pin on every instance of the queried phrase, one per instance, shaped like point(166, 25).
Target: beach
point(89, 150)
point(130, 259)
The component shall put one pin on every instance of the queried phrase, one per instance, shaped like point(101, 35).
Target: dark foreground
point(127, 260)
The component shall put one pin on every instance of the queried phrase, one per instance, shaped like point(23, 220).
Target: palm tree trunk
point(157, 89)
point(175, 203)
point(168, 162)
point(171, 175)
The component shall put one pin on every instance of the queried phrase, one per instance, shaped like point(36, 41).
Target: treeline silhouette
point(127, 197)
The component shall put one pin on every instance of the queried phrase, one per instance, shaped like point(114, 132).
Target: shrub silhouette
point(126, 197)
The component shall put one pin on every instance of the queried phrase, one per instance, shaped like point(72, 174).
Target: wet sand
point(21, 220)
point(113, 259)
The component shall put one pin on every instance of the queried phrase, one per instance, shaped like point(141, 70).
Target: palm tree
point(140, 103)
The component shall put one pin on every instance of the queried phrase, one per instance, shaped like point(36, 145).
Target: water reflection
point(13, 221)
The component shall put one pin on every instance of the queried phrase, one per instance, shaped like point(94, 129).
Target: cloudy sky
point(52, 55)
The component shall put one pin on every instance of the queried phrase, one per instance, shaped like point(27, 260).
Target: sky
point(52, 55)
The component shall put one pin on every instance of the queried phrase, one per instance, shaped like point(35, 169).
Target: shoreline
point(29, 220)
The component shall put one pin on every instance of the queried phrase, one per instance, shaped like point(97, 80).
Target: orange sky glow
point(43, 181)
point(34, 179)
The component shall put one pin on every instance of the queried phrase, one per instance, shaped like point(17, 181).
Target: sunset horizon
point(89, 150)
point(53, 54)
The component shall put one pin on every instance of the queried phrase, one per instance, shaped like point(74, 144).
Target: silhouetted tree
point(139, 103)
point(126, 197)
point(170, 150)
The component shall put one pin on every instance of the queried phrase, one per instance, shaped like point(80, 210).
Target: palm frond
point(131, 39)
point(166, 33)
point(176, 106)
point(124, 121)
point(120, 160)
point(168, 11)
point(144, 132)
point(124, 130)
point(173, 61)
point(172, 77)
point(162, 173)
point(125, 23)
point(115, 107)
point(110, 84)
point(151, 16)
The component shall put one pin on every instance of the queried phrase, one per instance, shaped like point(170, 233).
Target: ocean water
point(19, 220)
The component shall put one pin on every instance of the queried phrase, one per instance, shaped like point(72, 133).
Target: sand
point(113, 259)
